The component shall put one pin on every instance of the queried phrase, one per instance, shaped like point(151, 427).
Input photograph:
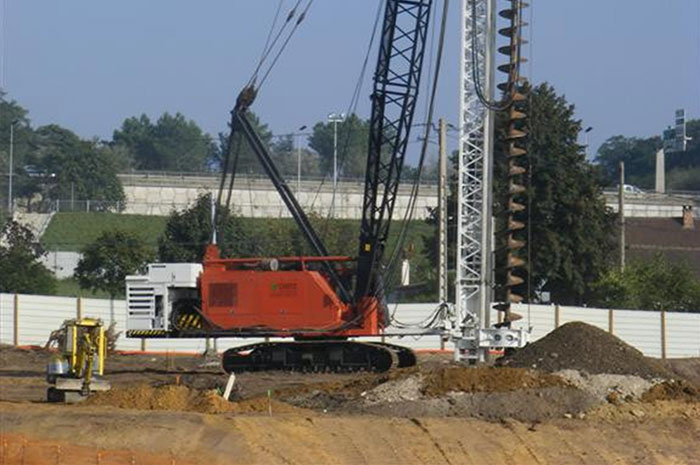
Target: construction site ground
point(166, 409)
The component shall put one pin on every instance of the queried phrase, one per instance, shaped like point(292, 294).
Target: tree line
point(639, 155)
point(52, 162)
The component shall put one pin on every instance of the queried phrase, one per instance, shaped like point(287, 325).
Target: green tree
point(247, 160)
point(654, 284)
point(173, 143)
point(187, 233)
point(12, 114)
point(639, 155)
point(352, 142)
point(684, 179)
point(286, 156)
point(107, 261)
point(20, 268)
point(572, 237)
point(573, 232)
point(83, 169)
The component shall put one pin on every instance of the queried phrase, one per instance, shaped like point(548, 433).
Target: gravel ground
point(607, 387)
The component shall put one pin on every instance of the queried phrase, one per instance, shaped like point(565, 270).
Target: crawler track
point(317, 356)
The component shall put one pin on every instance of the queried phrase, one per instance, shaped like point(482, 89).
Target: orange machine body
point(241, 297)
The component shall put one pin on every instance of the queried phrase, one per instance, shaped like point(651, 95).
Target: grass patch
point(72, 231)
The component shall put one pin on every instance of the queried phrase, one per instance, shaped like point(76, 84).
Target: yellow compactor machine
point(77, 369)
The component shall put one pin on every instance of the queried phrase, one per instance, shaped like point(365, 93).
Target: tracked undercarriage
point(317, 356)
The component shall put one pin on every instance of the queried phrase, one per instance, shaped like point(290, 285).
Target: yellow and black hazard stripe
point(147, 333)
point(189, 321)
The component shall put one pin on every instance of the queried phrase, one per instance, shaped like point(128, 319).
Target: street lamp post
point(585, 139)
point(335, 118)
point(299, 134)
point(9, 187)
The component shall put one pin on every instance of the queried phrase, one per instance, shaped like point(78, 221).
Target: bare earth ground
point(164, 410)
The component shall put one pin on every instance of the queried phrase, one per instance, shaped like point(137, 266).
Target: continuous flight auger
point(515, 151)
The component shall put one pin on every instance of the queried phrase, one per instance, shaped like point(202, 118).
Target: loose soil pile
point(583, 347)
point(684, 368)
point(182, 398)
point(13, 357)
point(672, 390)
point(485, 379)
point(450, 390)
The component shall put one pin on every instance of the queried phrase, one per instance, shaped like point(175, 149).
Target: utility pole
point(621, 210)
point(442, 214)
point(9, 187)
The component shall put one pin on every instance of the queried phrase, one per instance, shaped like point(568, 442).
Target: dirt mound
point(28, 358)
point(451, 390)
point(485, 379)
point(168, 397)
point(182, 398)
point(579, 346)
point(686, 368)
point(672, 390)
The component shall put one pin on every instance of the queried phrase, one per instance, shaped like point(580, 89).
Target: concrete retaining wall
point(257, 198)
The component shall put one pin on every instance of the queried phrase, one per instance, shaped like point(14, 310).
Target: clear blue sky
point(87, 65)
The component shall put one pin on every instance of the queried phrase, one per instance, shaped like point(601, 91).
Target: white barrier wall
point(639, 328)
point(39, 315)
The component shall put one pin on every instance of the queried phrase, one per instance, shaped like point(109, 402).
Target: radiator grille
point(223, 294)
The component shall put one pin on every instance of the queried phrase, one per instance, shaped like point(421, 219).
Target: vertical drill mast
point(475, 158)
point(475, 191)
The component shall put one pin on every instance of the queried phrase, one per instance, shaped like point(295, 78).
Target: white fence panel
point(39, 315)
point(682, 335)
point(46, 315)
point(7, 318)
point(641, 329)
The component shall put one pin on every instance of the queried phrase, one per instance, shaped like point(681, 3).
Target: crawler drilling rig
point(319, 302)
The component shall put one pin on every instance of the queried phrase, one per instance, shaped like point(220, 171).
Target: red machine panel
point(282, 300)
point(242, 295)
